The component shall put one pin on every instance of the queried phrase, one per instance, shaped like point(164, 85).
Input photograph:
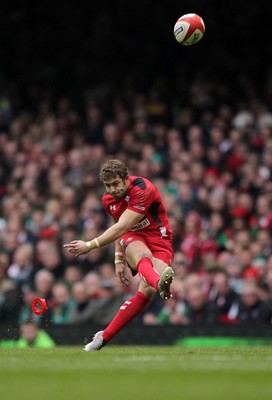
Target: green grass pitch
point(128, 373)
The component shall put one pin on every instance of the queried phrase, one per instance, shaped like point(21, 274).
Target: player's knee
point(146, 254)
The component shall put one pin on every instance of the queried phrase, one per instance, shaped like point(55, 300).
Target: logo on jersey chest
point(112, 207)
point(127, 198)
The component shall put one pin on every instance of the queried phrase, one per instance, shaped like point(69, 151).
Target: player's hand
point(77, 247)
point(120, 272)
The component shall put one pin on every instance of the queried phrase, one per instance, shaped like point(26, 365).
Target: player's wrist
point(118, 262)
point(93, 244)
point(119, 257)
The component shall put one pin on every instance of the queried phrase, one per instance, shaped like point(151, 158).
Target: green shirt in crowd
point(42, 341)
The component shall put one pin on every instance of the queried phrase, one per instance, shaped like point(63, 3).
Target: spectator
point(225, 299)
point(30, 336)
point(199, 310)
point(251, 308)
point(9, 294)
point(22, 264)
point(43, 283)
point(92, 283)
point(61, 305)
point(84, 307)
point(175, 310)
point(72, 274)
point(109, 301)
point(74, 177)
point(49, 258)
point(180, 265)
point(234, 269)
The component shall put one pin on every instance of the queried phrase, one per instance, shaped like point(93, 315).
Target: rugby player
point(143, 242)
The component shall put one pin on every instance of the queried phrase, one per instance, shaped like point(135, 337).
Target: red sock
point(145, 268)
point(129, 310)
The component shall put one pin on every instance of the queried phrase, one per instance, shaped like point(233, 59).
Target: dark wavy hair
point(112, 169)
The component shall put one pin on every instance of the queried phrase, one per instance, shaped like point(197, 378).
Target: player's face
point(117, 187)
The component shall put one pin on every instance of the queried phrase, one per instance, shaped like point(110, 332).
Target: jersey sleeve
point(105, 203)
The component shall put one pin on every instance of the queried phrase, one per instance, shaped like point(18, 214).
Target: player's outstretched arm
point(126, 221)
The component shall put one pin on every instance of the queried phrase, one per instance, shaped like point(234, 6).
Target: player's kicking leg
point(97, 343)
point(133, 307)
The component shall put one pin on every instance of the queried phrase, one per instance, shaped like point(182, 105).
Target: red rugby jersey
point(144, 198)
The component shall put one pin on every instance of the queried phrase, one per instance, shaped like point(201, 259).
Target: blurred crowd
point(212, 162)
